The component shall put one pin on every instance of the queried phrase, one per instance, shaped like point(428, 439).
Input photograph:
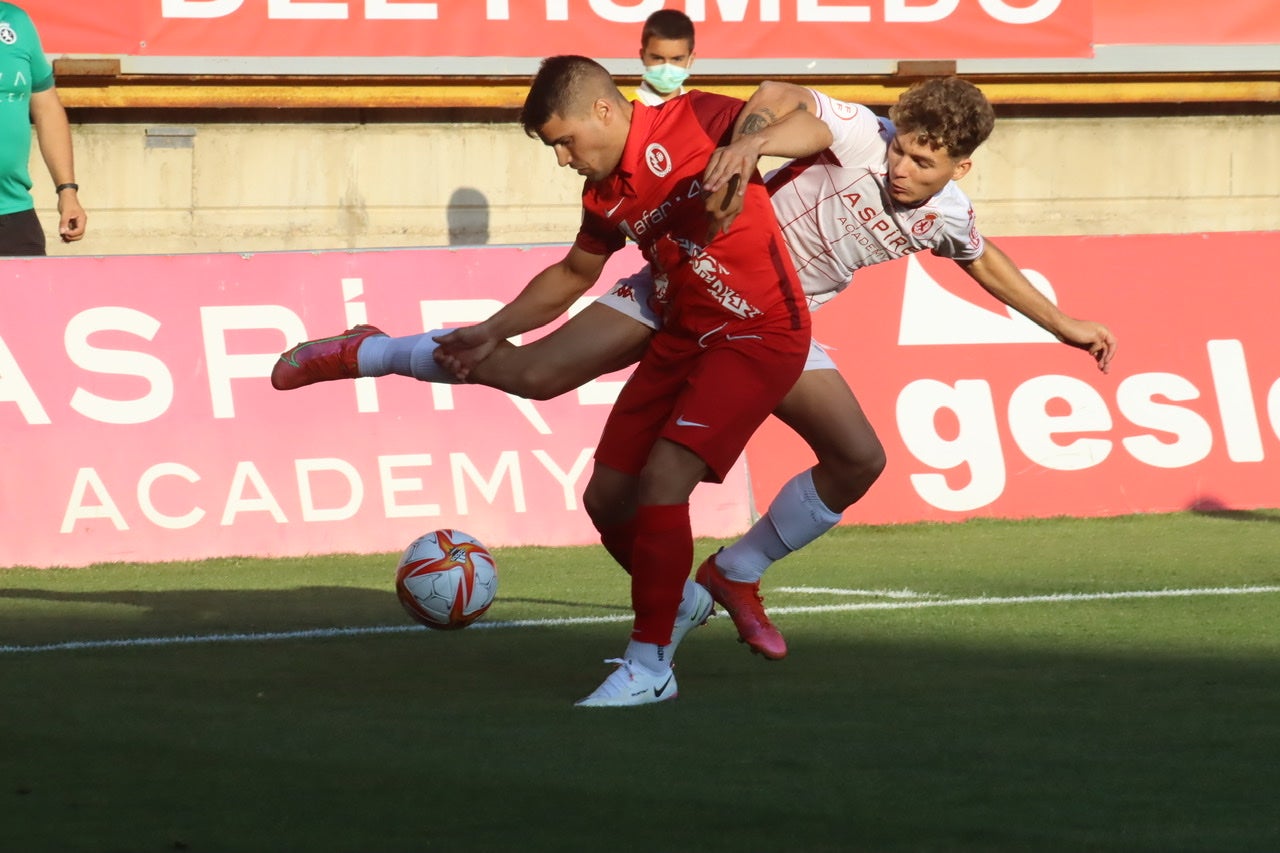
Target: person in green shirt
point(28, 97)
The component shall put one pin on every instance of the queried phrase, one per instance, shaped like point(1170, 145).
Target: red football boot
point(321, 360)
point(745, 607)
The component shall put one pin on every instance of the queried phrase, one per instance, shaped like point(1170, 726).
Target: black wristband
point(60, 187)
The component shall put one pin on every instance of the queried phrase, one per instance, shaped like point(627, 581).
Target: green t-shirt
point(23, 69)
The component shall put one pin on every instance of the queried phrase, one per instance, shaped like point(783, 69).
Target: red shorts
point(707, 395)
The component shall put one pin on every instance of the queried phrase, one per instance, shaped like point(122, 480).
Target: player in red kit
point(733, 341)
point(734, 338)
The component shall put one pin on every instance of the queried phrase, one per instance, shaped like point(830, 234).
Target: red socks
point(619, 541)
point(661, 557)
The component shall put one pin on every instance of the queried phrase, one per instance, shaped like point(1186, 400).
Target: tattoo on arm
point(758, 121)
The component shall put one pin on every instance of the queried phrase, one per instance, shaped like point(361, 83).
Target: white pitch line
point(306, 634)
point(325, 633)
point(1050, 598)
point(866, 593)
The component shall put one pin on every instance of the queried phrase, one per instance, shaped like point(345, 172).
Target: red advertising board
point(1180, 22)
point(982, 414)
point(741, 29)
point(139, 422)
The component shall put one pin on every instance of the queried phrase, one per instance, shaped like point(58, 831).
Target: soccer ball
point(446, 579)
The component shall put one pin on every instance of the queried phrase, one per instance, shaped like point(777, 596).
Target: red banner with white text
point(139, 423)
point(983, 414)
point(741, 29)
point(744, 29)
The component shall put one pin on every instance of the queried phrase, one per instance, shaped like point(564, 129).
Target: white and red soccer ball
point(446, 579)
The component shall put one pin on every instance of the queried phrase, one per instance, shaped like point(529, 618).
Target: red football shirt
point(654, 197)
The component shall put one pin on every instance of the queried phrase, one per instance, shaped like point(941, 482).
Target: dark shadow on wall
point(468, 217)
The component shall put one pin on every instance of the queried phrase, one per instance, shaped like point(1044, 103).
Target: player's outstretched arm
point(1000, 276)
point(547, 295)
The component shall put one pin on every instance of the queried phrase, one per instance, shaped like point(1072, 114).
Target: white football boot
point(630, 684)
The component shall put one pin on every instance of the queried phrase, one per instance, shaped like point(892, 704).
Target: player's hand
point(723, 206)
point(724, 183)
point(462, 349)
point(1093, 337)
point(737, 159)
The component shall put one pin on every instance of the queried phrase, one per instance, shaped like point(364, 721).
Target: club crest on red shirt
point(657, 159)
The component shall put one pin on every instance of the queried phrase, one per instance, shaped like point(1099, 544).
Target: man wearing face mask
point(666, 49)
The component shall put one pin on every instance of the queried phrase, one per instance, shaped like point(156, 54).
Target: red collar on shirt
point(643, 119)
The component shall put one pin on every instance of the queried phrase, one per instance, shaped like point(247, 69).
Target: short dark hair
point(565, 86)
point(945, 112)
point(667, 24)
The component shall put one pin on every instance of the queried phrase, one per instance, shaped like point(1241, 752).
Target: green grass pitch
point(1054, 685)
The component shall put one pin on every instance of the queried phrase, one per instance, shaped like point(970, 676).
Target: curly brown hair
point(945, 112)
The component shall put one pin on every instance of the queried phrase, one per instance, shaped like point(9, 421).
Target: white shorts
point(632, 297)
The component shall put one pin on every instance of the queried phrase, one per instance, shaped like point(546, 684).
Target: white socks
point(796, 517)
point(688, 602)
point(412, 355)
point(657, 658)
point(651, 656)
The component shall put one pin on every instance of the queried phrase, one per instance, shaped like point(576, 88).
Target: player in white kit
point(878, 192)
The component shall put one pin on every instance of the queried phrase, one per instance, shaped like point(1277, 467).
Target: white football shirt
point(836, 213)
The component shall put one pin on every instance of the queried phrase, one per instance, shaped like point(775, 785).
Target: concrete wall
point(223, 187)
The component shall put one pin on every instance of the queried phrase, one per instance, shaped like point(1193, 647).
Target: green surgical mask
point(666, 78)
